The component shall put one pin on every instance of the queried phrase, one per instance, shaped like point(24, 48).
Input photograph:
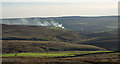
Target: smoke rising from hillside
point(32, 21)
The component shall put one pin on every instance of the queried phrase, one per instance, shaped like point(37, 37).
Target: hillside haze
point(74, 23)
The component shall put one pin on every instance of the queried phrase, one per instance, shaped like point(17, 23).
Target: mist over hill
point(32, 21)
point(74, 23)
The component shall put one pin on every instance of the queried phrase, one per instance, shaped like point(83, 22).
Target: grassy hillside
point(88, 24)
point(13, 46)
point(107, 40)
point(41, 39)
point(14, 32)
point(57, 54)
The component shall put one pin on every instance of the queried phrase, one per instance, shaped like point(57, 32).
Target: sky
point(60, 0)
point(55, 8)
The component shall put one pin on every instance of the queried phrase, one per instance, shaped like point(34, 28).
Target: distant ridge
point(74, 23)
point(62, 17)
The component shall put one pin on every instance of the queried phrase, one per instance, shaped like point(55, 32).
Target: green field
point(51, 54)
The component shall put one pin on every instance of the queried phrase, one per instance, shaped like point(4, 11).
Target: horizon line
point(60, 16)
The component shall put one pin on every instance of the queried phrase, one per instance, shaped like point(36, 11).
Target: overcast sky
point(47, 8)
point(60, 0)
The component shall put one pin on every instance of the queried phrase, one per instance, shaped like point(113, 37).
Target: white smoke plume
point(32, 21)
point(52, 23)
